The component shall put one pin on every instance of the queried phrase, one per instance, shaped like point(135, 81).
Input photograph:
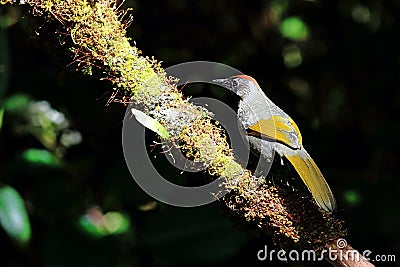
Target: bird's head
point(242, 85)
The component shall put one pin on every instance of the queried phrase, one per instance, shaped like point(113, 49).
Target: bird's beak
point(219, 81)
point(226, 83)
point(223, 82)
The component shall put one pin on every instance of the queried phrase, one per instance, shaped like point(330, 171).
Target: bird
point(270, 130)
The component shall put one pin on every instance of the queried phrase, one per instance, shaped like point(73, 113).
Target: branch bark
point(346, 256)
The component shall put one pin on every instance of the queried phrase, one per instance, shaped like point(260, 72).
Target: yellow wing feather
point(279, 128)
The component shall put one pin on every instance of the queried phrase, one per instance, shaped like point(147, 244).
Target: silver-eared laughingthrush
point(271, 130)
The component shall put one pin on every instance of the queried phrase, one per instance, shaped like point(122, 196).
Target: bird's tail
point(313, 178)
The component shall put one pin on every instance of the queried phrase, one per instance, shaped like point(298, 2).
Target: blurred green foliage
point(98, 224)
point(332, 65)
point(294, 28)
point(13, 215)
point(40, 157)
point(16, 103)
point(353, 197)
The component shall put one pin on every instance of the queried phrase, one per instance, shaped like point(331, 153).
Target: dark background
point(340, 83)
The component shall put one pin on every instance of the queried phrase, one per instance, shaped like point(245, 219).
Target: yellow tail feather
point(313, 178)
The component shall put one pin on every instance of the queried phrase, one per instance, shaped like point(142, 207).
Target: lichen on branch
point(97, 30)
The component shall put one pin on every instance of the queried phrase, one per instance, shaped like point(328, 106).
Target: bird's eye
point(235, 83)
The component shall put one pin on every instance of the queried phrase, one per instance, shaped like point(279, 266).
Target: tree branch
point(346, 256)
point(95, 33)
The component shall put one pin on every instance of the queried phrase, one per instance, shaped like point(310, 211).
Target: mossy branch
point(95, 32)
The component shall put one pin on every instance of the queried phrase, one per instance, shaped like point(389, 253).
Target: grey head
point(242, 85)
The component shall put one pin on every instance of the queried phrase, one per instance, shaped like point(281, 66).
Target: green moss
point(98, 35)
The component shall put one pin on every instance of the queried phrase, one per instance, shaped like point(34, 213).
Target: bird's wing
point(313, 178)
point(281, 129)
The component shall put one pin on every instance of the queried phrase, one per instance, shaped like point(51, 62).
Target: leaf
point(17, 103)
point(13, 215)
point(150, 123)
point(41, 157)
